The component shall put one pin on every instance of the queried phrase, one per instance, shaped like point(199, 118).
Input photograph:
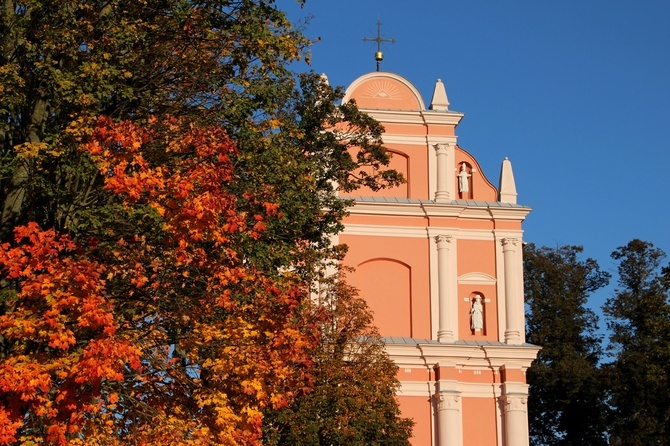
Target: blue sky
point(575, 92)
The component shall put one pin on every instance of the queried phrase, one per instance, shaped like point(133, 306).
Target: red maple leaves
point(156, 336)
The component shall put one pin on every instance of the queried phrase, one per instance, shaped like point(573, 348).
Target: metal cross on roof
point(379, 56)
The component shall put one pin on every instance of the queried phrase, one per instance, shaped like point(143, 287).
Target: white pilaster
point(446, 331)
point(442, 156)
point(449, 418)
point(516, 419)
point(512, 301)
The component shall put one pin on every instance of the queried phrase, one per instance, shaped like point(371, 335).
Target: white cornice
point(467, 390)
point(395, 116)
point(496, 356)
point(415, 140)
point(416, 232)
point(416, 388)
point(435, 209)
point(397, 209)
point(510, 213)
point(385, 231)
point(442, 117)
point(429, 117)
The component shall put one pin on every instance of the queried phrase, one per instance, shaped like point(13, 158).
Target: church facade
point(439, 261)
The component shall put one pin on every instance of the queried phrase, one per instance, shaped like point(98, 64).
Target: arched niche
point(399, 162)
point(385, 284)
point(464, 180)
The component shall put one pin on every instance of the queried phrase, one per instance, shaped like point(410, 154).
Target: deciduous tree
point(639, 321)
point(167, 190)
point(566, 402)
point(353, 400)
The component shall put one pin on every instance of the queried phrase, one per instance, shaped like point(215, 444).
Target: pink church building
point(439, 261)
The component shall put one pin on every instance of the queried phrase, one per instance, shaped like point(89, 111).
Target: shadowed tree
point(352, 401)
point(638, 316)
point(566, 401)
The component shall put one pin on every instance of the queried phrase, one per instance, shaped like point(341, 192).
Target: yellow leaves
point(30, 150)
point(80, 128)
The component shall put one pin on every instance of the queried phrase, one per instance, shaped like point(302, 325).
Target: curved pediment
point(477, 279)
point(384, 91)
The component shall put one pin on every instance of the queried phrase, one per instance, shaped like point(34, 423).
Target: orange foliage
point(64, 337)
point(165, 338)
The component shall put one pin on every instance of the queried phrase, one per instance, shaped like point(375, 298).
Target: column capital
point(443, 240)
point(515, 402)
point(441, 148)
point(509, 242)
point(448, 400)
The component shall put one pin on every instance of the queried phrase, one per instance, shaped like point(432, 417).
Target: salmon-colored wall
point(388, 291)
point(400, 162)
point(513, 375)
point(412, 162)
point(418, 408)
point(476, 256)
point(479, 422)
point(392, 275)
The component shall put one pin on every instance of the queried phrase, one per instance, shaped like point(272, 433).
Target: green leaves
point(565, 380)
point(639, 320)
point(171, 143)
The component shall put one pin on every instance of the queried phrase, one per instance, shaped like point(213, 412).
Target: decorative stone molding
point(448, 400)
point(443, 241)
point(517, 403)
point(510, 243)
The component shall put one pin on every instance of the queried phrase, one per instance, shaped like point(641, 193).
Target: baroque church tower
point(438, 260)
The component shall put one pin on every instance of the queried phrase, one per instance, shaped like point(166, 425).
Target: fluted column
point(448, 417)
point(512, 302)
point(445, 332)
point(442, 192)
point(516, 419)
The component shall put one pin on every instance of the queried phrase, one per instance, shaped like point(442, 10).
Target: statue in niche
point(463, 176)
point(477, 312)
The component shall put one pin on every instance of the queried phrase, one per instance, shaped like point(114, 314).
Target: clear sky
point(575, 92)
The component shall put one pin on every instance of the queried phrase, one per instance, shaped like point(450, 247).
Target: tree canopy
point(566, 401)
point(168, 195)
point(353, 398)
point(638, 316)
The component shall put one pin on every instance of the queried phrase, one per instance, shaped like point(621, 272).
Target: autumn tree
point(167, 197)
point(638, 317)
point(352, 401)
point(566, 403)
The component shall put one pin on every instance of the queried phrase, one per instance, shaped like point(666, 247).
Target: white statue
point(463, 176)
point(477, 312)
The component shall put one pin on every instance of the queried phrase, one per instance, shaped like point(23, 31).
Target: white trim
point(472, 212)
point(462, 234)
point(467, 389)
point(413, 140)
point(417, 232)
point(476, 278)
point(385, 231)
point(416, 388)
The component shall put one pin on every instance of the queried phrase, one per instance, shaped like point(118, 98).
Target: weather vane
point(379, 56)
